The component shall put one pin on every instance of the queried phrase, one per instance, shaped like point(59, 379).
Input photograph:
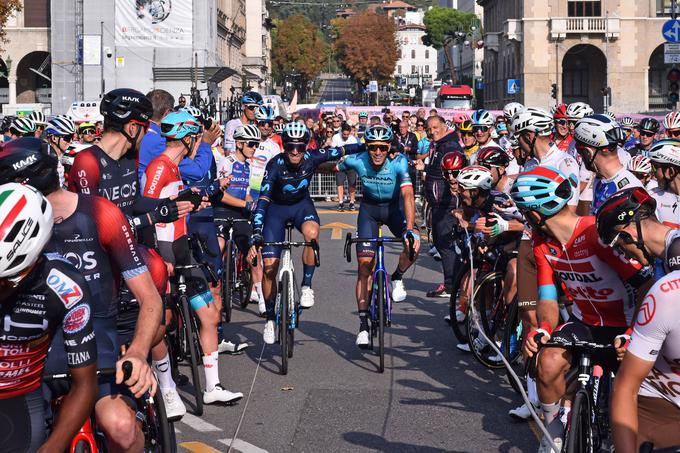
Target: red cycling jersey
point(596, 277)
point(161, 180)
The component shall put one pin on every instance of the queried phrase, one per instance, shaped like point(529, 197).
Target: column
point(12, 79)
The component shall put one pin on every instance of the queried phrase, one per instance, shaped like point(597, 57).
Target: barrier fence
point(323, 186)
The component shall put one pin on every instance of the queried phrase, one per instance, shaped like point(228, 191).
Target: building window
point(37, 13)
point(663, 7)
point(399, 69)
point(427, 54)
point(413, 54)
point(414, 69)
point(584, 8)
point(427, 69)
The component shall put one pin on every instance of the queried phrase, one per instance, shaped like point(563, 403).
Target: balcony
point(512, 29)
point(560, 27)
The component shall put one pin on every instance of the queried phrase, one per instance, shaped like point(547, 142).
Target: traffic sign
point(671, 53)
point(373, 86)
point(671, 30)
point(514, 86)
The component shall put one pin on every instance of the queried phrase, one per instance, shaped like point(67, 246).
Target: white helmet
point(640, 164)
point(578, 110)
point(60, 125)
point(627, 121)
point(666, 152)
point(532, 120)
point(28, 219)
point(672, 120)
point(598, 131)
point(23, 126)
point(475, 177)
point(193, 111)
point(38, 117)
point(610, 115)
point(247, 133)
point(482, 118)
point(511, 109)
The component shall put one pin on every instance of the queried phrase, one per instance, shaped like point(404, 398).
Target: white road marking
point(198, 424)
point(243, 446)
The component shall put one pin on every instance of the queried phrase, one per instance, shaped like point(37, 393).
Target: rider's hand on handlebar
point(142, 378)
point(621, 343)
point(543, 334)
point(480, 225)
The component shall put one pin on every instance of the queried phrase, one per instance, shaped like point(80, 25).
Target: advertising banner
point(154, 23)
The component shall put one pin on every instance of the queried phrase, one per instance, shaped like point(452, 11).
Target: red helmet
point(453, 161)
point(493, 156)
point(560, 112)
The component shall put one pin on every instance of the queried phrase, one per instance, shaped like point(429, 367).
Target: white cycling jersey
point(229, 129)
point(667, 210)
point(564, 163)
point(604, 188)
point(263, 154)
point(656, 338)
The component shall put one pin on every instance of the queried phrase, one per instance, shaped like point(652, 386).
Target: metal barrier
point(323, 186)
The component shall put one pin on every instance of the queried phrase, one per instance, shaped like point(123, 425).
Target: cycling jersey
point(604, 188)
point(162, 180)
point(98, 241)
point(381, 185)
point(53, 295)
point(229, 129)
point(239, 173)
point(567, 165)
point(563, 145)
point(263, 154)
point(600, 282)
point(667, 207)
point(656, 338)
point(671, 253)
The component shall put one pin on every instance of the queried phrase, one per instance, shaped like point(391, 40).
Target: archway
point(4, 82)
point(658, 84)
point(31, 86)
point(584, 75)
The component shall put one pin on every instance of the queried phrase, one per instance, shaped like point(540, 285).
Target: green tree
point(441, 24)
point(7, 8)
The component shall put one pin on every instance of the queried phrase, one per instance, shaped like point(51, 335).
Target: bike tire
point(193, 356)
point(488, 297)
point(227, 281)
point(161, 430)
point(244, 281)
point(81, 447)
point(512, 346)
point(284, 301)
point(290, 330)
point(459, 328)
point(382, 303)
point(579, 438)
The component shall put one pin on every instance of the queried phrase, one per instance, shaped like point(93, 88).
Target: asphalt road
point(431, 397)
point(336, 90)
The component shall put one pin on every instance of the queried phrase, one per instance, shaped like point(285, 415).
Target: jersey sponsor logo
point(663, 383)
point(63, 286)
point(24, 162)
point(8, 324)
point(118, 192)
point(623, 183)
point(86, 262)
point(647, 310)
point(77, 358)
point(289, 188)
point(156, 177)
point(82, 182)
point(76, 319)
point(670, 285)
point(579, 239)
point(580, 277)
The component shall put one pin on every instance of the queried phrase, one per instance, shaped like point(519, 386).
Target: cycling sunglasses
point(266, 123)
point(87, 131)
point(451, 174)
point(647, 133)
point(251, 106)
point(295, 147)
point(66, 138)
point(466, 134)
point(476, 129)
point(627, 130)
point(379, 148)
point(252, 144)
point(562, 122)
point(673, 133)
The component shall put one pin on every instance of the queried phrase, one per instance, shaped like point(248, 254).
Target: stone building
point(257, 63)
point(583, 46)
point(417, 63)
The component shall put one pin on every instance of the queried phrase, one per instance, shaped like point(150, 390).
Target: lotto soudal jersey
point(162, 180)
point(667, 209)
point(53, 296)
point(600, 282)
point(656, 338)
point(99, 242)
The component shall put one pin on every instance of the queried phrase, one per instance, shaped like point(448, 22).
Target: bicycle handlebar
point(349, 240)
point(201, 265)
point(104, 372)
point(202, 245)
point(648, 447)
point(289, 244)
point(574, 344)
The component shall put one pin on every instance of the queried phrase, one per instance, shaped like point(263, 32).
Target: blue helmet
point(378, 133)
point(250, 98)
point(177, 125)
point(482, 118)
point(60, 125)
point(265, 113)
point(295, 133)
point(545, 190)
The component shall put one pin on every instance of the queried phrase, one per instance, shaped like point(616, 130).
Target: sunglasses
point(451, 173)
point(562, 122)
point(87, 131)
point(420, 125)
point(297, 148)
point(673, 133)
point(252, 144)
point(379, 148)
point(266, 123)
point(466, 134)
point(251, 106)
point(476, 129)
point(581, 147)
point(627, 130)
point(647, 133)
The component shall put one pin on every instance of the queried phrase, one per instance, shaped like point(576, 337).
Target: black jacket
point(437, 191)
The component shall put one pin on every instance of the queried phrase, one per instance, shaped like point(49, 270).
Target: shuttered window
point(37, 13)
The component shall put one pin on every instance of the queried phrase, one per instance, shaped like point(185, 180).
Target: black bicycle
point(235, 280)
point(648, 447)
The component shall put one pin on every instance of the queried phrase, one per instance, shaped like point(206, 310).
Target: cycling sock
point(163, 373)
point(397, 274)
point(212, 376)
point(258, 288)
point(363, 319)
point(550, 411)
point(308, 273)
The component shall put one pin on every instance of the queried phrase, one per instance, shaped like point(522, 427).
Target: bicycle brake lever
point(411, 249)
point(315, 248)
point(348, 247)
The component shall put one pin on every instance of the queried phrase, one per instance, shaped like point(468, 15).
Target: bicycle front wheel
point(459, 322)
point(512, 346)
point(284, 306)
point(489, 315)
point(159, 432)
point(193, 353)
point(381, 303)
point(579, 437)
point(242, 274)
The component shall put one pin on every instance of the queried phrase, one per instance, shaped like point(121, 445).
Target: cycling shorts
point(389, 214)
point(205, 227)
point(178, 253)
point(658, 422)
point(527, 277)
point(347, 175)
point(241, 232)
point(23, 423)
point(277, 217)
point(576, 330)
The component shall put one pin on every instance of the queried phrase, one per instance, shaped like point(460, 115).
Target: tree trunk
point(447, 52)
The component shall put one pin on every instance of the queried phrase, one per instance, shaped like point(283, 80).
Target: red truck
point(455, 97)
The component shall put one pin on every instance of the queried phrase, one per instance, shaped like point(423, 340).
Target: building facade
point(583, 46)
point(257, 63)
point(417, 63)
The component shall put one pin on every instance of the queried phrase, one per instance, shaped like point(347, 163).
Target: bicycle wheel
point(459, 327)
point(243, 276)
point(294, 311)
point(192, 354)
point(512, 346)
point(284, 304)
point(579, 433)
point(381, 304)
point(490, 310)
point(227, 281)
point(159, 432)
point(82, 447)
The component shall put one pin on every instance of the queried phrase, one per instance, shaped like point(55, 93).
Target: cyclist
point(87, 133)
point(632, 134)
point(59, 134)
point(482, 123)
point(383, 180)
point(665, 157)
point(496, 160)
point(22, 127)
point(237, 202)
point(577, 111)
point(468, 140)
point(648, 128)
point(363, 124)
point(510, 110)
point(250, 101)
point(33, 310)
point(601, 284)
point(562, 136)
point(641, 167)
point(644, 405)
point(38, 118)
point(285, 197)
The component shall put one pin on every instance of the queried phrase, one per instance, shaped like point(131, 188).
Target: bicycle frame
point(286, 267)
point(380, 273)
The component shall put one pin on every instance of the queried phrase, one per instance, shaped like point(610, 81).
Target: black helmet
point(122, 105)
point(649, 124)
point(27, 160)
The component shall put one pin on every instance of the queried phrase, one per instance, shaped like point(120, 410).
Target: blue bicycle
point(380, 311)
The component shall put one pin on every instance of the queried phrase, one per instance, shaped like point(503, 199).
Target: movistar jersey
point(379, 185)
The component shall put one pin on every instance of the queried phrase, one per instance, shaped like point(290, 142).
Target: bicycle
point(380, 311)
point(287, 306)
point(648, 447)
point(235, 276)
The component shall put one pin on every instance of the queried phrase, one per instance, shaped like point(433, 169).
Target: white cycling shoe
point(521, 413)
point(398, 291)
point(307, 297)
point(362, 339)
point(254, 297)
point(261, 307)
point(220, 395)
point(174, 407)
point(268, 335)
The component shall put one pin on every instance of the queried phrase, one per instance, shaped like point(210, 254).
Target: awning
point(214, 74)
point(250, 75)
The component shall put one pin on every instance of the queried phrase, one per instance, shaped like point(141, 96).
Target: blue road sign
point(514, 86)
point(671, 30)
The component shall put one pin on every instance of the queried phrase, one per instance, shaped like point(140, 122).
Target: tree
point(7, 8)
point(298, 50)
point(366, 47)
point(441, 24)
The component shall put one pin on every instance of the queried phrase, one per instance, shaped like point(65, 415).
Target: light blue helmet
point(482, 118)
point(251, 98)
point(177, 125)
point(378, 133)
point(265, 113)
point(543, 189)
point(295, 133)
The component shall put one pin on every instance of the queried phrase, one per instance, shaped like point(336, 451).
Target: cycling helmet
point(363, 114)
point(666, 152)
point(460, 117)
point(378, 134)
point(501, 127)
point(22, 126)
point(247, 133)
point(649, 124)
point(598, 131)
point(83, 126)
point(627, 121)
point(578, 110)
point(625, 206)
point(672, 121)
point(610, 115)
point(177, 125)
point(194, 111)
point(545, 190)
point(295, 133)
point(70, 154)
point(640, 164)
point(251, 97)
point(493, 156)
point(453, 160)
point(60, 125)
point(265, 113)
point(278, 128)
point(26, 228)
point(533, 120)
point(123, 105)
point(465, 126)
point(26, 160)
point(482, 118)
point(560, 112)
point(511, 109)
point(38, 118)
point(475, 177)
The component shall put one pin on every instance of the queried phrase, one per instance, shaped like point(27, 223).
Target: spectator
point(405, 115)
point(406, 142)
point(342, 138)
point(181, 103)
point(374, 120)
point(152, 143)
point(420, 129)
point(433, 112)
point(336, 123)
point(420, 114)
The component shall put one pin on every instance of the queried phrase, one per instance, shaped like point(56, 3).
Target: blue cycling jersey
point(240, 175)
point(379, 185)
